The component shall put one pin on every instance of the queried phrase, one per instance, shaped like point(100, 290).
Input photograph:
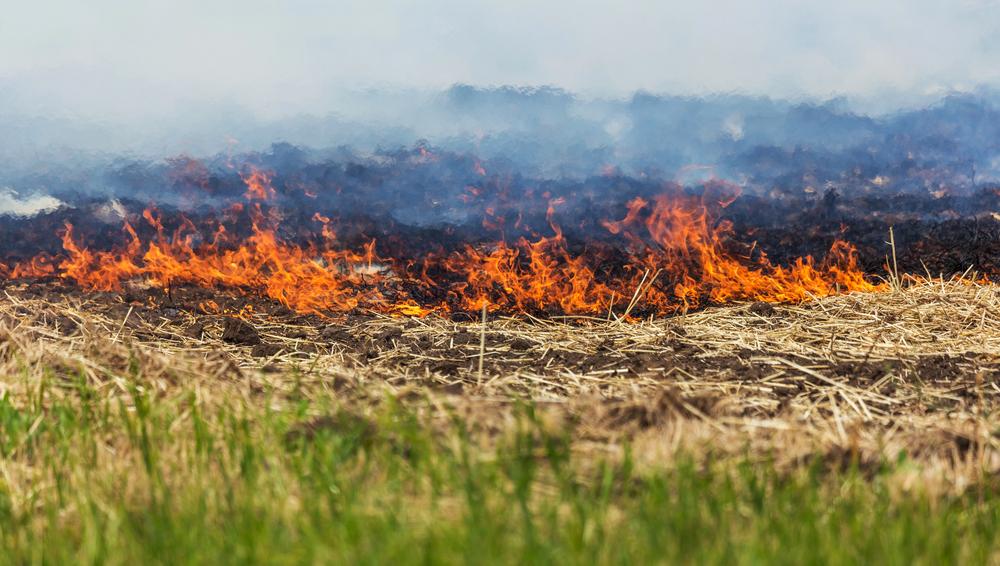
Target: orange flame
point(677, 258)
point(675, 242)
point(258, 185)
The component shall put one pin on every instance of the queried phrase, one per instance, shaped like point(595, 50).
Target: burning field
point(493, 282)
point(666, 253)
point(282, 346)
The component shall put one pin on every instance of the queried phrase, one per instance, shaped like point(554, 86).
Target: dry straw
point(853, 379)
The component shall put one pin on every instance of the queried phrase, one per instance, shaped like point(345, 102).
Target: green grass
point(175, 479)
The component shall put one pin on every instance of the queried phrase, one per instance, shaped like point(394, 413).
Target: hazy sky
point(275, 57)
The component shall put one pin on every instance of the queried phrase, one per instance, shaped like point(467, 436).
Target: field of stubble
point(136, 429)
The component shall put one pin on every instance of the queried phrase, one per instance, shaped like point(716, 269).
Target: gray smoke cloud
point(150, 79)
point(121, 58)
point(13, 204)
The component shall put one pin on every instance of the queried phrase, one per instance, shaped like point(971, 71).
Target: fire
point(673, 256)
point(680, 240)
point(678, 261)
point(258, 185)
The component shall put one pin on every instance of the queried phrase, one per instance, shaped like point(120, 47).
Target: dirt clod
point(236, 331)
point(265, 350)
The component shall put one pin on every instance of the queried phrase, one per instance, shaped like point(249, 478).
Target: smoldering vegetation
point(488, 173)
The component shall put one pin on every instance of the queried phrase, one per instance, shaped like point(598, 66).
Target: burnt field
point(344, 361)
point(513, 283)
point(417, 233)
point(845, 324)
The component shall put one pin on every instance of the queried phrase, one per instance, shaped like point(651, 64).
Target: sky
point(114, 58)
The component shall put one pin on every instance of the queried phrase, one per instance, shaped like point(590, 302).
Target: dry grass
point(855, 379)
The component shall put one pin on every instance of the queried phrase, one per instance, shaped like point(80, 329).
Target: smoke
point(114, 58)
point(110, 79)
point(12, 204)
point(760, 143)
